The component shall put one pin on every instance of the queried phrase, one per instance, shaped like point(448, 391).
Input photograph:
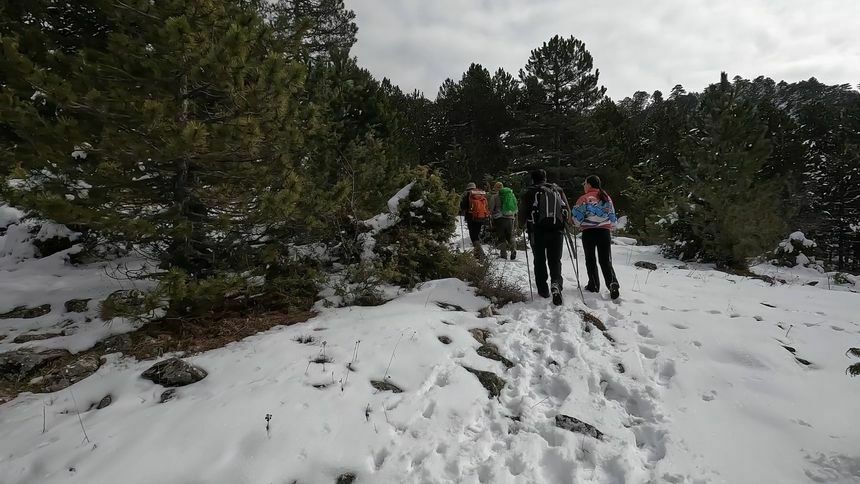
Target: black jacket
point(527, 200)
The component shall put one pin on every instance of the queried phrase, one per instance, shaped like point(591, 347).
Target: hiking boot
point(556, 294)
point(592, 288)
point(543, 290)
point(613, 290)
point(514, 255)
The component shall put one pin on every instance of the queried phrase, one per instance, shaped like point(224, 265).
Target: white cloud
point(637, 45)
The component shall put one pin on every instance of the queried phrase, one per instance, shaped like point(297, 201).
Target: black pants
point(547, 247)
point(504, 234)
point(601, 240)
point(474, 231)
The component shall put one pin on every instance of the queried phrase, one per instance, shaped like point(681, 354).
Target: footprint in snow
point(714, 311)
point(647, 352)
point(709, 396)
point(680, 326)
point(644, 331)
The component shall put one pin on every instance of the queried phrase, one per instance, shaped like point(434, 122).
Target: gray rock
point(23, 312)
point(174, 373)
point(107, 400)
point(167, 395)
point(385, 386)
point(575, 425)
point(52, 245)
point(26, 338)
point(72, 373)
point(445, 340)
point(77, 305)
point(490, 351)
point(345, 478)
point(119, 343)
point(490, 380)
point(488, 312)
point(17, 365)
point(646, 265)
point(480, 335)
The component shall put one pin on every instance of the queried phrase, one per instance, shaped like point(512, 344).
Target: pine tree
point(560, 85)
point(321, 27)
point(177, 134)
point(729, 213)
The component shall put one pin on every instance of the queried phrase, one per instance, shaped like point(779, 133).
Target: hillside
point(700, 376)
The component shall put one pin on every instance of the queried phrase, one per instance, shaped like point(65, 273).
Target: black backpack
point(548, 207)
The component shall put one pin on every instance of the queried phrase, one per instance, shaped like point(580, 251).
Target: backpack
point(548, 208)
point(508, 201)
point(479, 208)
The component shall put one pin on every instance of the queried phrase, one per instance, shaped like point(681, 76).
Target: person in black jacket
point(545, 231)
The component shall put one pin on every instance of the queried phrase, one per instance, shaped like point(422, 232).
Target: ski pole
point(528, 266)
point(462, 236)
point(574, 262)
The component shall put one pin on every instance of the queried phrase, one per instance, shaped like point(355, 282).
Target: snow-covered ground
point(698, 386)
point(27, 281)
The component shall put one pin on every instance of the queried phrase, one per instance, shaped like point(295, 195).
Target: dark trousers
point(474, 231)
point(547, 247)
point(601, 241)
point(504, 234)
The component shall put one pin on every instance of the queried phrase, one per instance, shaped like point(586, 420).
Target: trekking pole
point(462, 236)
point(528, 266)
point(574, 260)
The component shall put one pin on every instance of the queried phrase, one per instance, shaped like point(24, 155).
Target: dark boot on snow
point(614, 290)
point(556, 294)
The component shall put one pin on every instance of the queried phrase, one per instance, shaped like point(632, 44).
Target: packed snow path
point(703, 383)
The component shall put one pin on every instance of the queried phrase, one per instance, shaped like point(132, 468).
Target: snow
point(709, 393)
point(30, 282)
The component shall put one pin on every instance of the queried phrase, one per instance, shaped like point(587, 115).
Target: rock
point(174, 373)
point(812, 283)
point(119, 343)
point(450, 307)
point(802, 361)
point(385, 386)
point(77, 305)
point(74, 372)
point(167, 395)
point(52, 245)
point(480, 335)
point(575, 425)
point(445, 340)
point(620, 367)
point(490, 351)
point(19, 364)
point(26, 338)
point(646, 265)
point(488, 312)
point(23, 312)
point(107, 400)
point(345, 478)
point(490, 380)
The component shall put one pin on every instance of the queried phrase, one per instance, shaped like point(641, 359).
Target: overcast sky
point(636, 44)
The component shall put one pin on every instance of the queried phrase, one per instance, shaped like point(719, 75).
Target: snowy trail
point(698, 386)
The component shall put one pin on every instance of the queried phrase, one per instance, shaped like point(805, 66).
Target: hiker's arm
point(610, 212)
point(579, 212)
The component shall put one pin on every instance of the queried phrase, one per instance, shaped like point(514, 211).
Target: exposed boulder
point(24, 312)
point(385, 386)
point(77, 305)
point(490, 351)
point(445, 340)
point(174, 373)
point(646, 265)
point(72, 373)
point(19, 364)
point(492, 382)
point(573, 424)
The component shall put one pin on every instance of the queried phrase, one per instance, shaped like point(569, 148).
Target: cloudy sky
point(637, 44)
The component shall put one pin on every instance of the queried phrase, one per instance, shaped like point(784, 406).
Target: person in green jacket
point(503, 207)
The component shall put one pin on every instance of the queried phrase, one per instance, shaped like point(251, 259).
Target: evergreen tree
point(178, 134)
point(729, 213)
point(321, 27)
point(560, 85)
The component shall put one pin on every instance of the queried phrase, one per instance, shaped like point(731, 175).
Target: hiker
point(503, 207)
point(475, 208)
point(595, 214)
point(544, 211)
